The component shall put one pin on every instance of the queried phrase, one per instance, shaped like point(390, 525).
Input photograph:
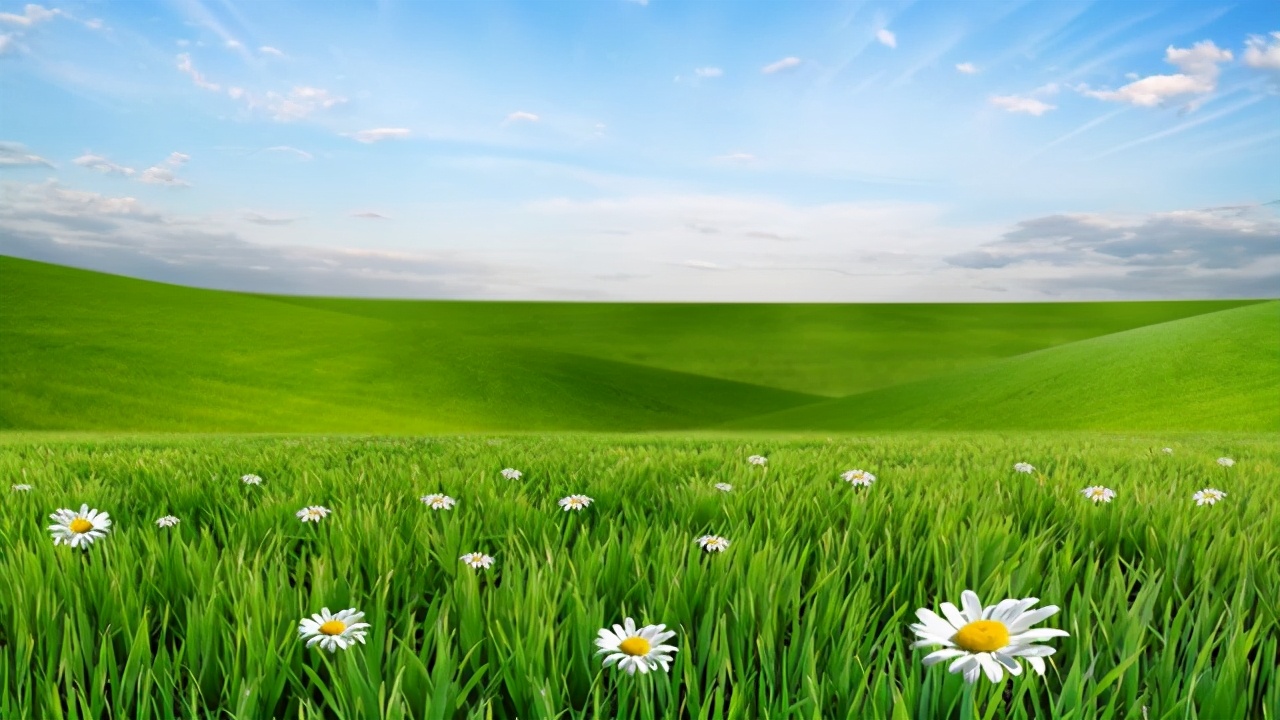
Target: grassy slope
point(1219, 371)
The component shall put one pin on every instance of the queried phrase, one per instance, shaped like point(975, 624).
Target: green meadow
point(1170, 606)
point(92, 352)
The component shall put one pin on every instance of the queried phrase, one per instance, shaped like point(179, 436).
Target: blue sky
point(788, 151)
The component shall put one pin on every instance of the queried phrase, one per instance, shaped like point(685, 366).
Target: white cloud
point(300, 154)
point(967, 68)
point(786, 63)
point(887, 38)
point(258, 218)
point(95, 24)
point(235, 44)
point(268, 50)
point(14, 154)
point(299, 103)
point(708, 72)
point(367, 215)
point(101, 164)
point(1260, 54)
point(184, 64)
point(521, 116)
point(32, 14)
point(1199, 76)
point(379, 134)
point(162, 174)
point(1020, 104)
point(738, 157)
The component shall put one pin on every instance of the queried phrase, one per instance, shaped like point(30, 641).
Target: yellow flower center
point(636, 646)
point(333, 627)
point(80, 525)
point(982, 636)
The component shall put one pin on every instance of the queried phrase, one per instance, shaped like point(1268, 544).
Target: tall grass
point(1170, 606)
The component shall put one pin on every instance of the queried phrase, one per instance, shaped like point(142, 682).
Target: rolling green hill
point(87, 351)
point(1220, 370)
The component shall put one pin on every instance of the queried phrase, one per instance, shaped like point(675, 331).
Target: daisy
point(333, 632)
point(1167, 451)
point(1208, 496)
point(758, 460)
point(633, 648)
point(511, 474)
point(79, 528)
point(986, 640)
point(477, 560)
point(251, 480)
point(724, 487)
point(167, 521)
point(859, 477)
point(313, 513)
point(712, 543)
point(1024, 468)
point(1098, 494)
point(1226, 462)
point(438, 501)
point(22, 488)
point(574, 502)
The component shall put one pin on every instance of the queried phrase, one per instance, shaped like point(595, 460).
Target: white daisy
point(313, 513)
point(758, 460)
point(633, 648)
point(1226, 462)
point(477, 560)
point(1208, 496)
point(438, 501)
point(986, 640)
point(1167, 451)
point(21, 488)
point(251, 480)
point(79, 528)
point(1098, 493)
point(333, 632)
point(1024, 467)
point(167, 521)
point(511, 474)
point(574, 502)
point(712, 543)
point(858, 477)
point(724, 487)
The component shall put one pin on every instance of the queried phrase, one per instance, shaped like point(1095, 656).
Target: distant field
point(87, 351)
point(1169, 606)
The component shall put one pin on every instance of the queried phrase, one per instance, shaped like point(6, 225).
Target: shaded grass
point(1169, 606)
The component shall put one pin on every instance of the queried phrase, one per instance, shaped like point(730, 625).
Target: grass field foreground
point(1169, 605)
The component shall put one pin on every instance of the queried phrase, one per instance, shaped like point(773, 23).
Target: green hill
point(1220, 370)
point(86, 351)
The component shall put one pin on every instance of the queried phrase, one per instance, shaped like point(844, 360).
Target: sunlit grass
point(806, 614)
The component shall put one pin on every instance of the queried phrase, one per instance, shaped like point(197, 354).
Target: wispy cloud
point(103, 165)
point(967, 68)
point(708, 72)
point(787, 63)
point(1086, 127)
point(31, 15)
point(268, 50)
point(14, 154)
point(367, 215)
point(1022, 104)
point(200, 81)
point(380, 134)
point(735, 157)
point(521, 116)
point(1180, 128)
point(261, 219)
point(886, 37)
point(300, 154)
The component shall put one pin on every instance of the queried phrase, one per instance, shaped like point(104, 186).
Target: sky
point(626, 150)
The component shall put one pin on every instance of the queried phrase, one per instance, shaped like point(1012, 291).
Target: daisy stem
point(968, 705)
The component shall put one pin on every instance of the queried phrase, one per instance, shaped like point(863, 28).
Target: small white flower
point(1226, 462)
point(574, 502)
point(724, 487)
point(251, 480)
point(633, 648)
point(1208, 496)
point(858, 477)
point(477, 560)
point(1167, 451)
point(1024, 467)
point(333, 632)
point(758, 460)
point(167, 521)
point(313, 513)
point(712, 543)
point(79, 528)
point(511, 474)
point(987, 640)
point(1098, 493)
point(21, 488)
point(438, 501)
